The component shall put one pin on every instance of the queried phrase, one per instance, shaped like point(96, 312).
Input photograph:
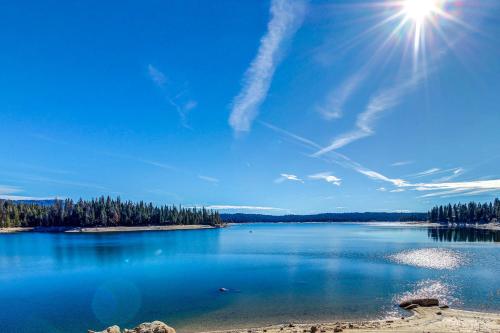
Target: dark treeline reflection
point(118, 249)
point(445, 234)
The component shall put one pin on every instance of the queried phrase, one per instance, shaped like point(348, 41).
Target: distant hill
point(47, 202)
point(326, 217)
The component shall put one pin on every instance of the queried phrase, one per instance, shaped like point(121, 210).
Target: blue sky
point(252, 106)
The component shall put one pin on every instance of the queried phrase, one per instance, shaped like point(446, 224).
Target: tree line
point(466, 213)
point(100, 212)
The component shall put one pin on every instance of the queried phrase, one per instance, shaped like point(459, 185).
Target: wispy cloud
point(378, 176)
point(209, 179)
point(401, 163)
point(426, 173)
point(8, 193)
point(157, 76)
point(29, 178)
point(286, 18)
point(476, 187)
point(21, 197)
point(382, 189)
point(332, 107)
point(179, 99)
point(464, 188)
point(6, 189)
point(291, 135)
point(160, 165)
point(493, 184)
point(328, 177)
point(285, 176)
point(454, 174)
point(365, 123)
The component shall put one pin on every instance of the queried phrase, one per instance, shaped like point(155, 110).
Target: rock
point(314, 329)
point(112, 329)
point(421, 302)
point(411, 306)
point(154, 327)
point(337, 329)
point(223, 290)
point(439, 313)
point(444, 306)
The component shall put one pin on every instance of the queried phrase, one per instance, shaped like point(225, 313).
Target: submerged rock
point(223, 290)
point(421, 302)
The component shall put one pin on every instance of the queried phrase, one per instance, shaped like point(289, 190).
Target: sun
point(419, 10)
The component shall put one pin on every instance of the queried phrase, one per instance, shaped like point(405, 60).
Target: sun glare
point(419, 10)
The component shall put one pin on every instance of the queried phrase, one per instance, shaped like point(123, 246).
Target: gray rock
point(154, 327)
point(112, 329)
point(411, 306)
point(421, 302)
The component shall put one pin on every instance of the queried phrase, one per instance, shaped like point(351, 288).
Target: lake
point(274, 273)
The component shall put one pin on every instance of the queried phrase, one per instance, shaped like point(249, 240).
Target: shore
point(423, 319)
point(106, 229)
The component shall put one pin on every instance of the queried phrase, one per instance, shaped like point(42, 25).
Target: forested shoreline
point(109, 212)
point(100, 212)
point(471, 213)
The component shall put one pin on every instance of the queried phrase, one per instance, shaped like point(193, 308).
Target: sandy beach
point(107, 229)
point(423, 319)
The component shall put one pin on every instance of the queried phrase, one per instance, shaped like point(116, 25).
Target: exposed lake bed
point(273, 274)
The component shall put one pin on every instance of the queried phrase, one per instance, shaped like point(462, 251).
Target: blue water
point(274, 272)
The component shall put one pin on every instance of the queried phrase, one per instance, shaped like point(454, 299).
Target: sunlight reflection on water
point(441, 290)
point(446, 294)
point(429, 258)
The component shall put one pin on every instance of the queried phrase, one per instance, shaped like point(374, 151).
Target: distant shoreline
point(489, 226)
point(106, 229)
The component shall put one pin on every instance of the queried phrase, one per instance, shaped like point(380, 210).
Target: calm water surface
point(274, 272)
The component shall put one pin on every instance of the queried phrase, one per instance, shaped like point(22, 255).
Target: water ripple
point(429, 258)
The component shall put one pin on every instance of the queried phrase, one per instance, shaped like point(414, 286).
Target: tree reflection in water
point(463, 234)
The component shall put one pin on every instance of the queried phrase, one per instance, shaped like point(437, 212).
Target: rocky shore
point(154, 327)
point(425, 315)
point(423, 319)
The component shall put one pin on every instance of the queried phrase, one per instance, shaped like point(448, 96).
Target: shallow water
point(274, 272)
